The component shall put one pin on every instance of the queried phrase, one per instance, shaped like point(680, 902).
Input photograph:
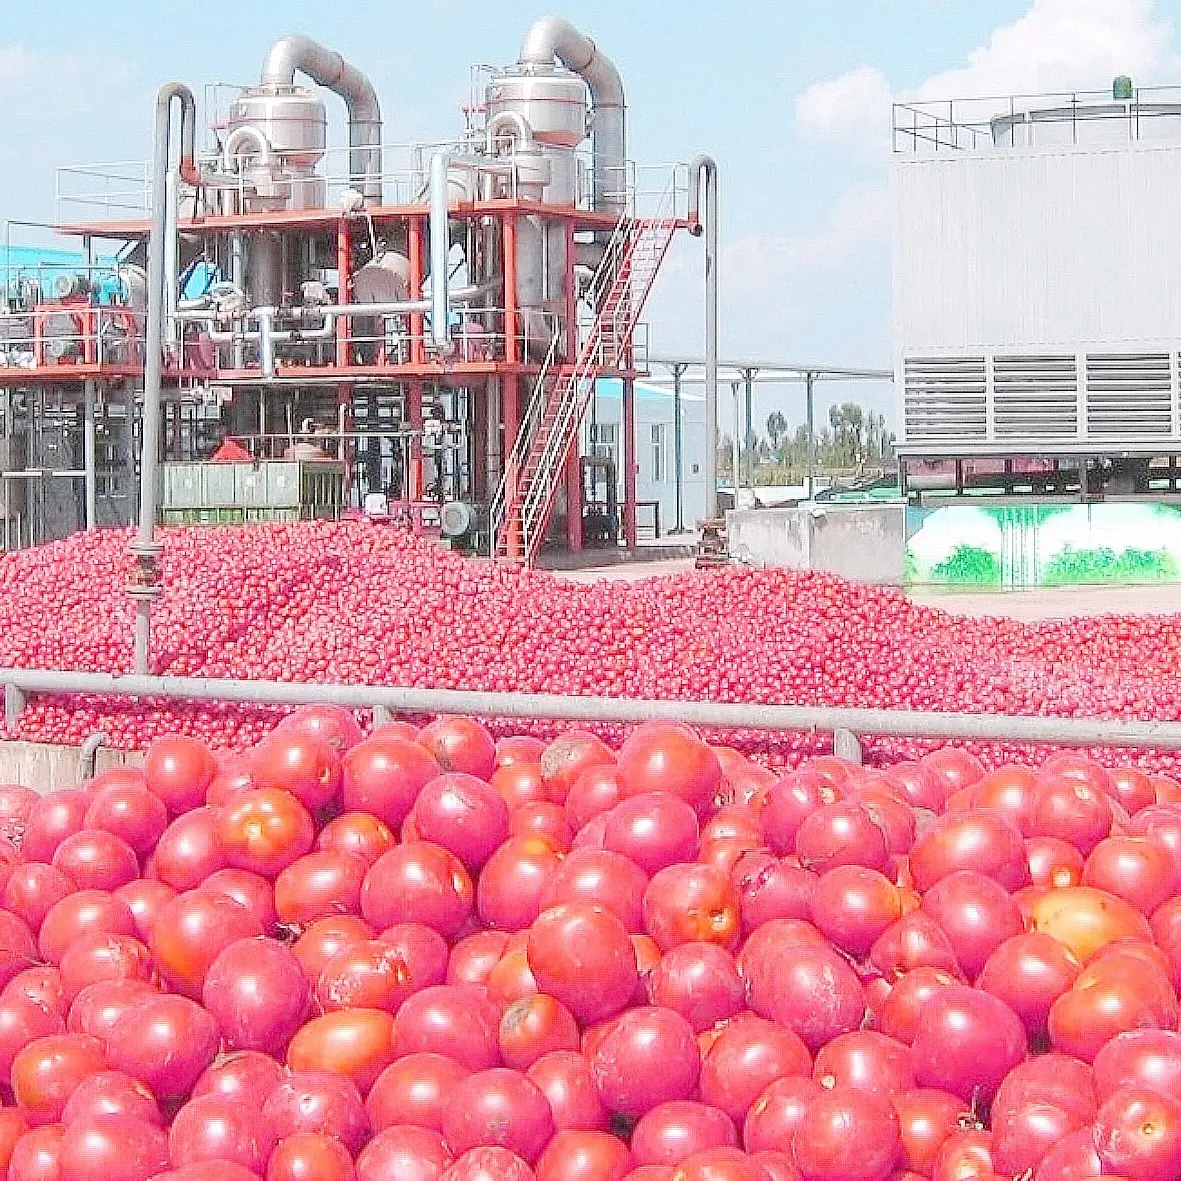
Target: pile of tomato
point(430, 955)
point(361, 604)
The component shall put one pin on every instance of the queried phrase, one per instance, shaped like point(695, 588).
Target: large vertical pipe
point(748, 419)
point(810, 386)
point(678, 459)
point(171, 255)
point(89, 449)
point(440, 249)
point(509, 250)
point(344, 252)
point(736, 442)
point(703, 173)
point(629, 462)
point(144, 548)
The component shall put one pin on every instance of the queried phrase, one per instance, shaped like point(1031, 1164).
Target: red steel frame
point(510, 371)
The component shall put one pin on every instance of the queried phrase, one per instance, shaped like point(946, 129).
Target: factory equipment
point(504, 277)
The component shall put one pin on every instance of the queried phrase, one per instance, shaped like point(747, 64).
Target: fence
point(847, 725)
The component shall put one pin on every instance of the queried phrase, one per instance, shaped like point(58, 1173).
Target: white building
point(656, 475)
point(1037, 277)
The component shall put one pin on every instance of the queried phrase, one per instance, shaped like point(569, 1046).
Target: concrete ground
point(1030, 606)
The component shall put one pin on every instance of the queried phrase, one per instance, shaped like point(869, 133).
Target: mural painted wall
point(1043, 544)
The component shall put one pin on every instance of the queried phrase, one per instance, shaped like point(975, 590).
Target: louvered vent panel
point(945, 398)
point(1129, 396)
point(1035, 397)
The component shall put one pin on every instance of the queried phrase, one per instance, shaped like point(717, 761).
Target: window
point(604, 441)
point(659, 459)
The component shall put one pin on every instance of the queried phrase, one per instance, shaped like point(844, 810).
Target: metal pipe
point(552, 37)
point(440, 249)
point(266, 340)
point(810, 387)
point(88, 754)
point(89, 450)
point(678, 459)
point(703, 175)
point(171, 256)
point(327, 68)
point(508, 119)
point(736, 444)
point(144, 548)
point(1041, 730)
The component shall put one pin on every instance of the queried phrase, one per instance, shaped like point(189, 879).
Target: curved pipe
point(326, 67)
point(551, 37)
point(512, 123)
point(703, 178)
point(235, 140)
point(88, 755)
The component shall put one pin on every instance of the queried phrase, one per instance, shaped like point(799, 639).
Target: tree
point(776, 429)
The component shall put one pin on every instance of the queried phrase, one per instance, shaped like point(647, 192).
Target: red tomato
point(356, 1043)
point(264, 831)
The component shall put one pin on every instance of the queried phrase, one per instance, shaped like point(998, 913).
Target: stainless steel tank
point(277, 135)
point(551, 100)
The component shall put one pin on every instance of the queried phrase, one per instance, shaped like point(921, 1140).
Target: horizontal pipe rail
point(19, 683)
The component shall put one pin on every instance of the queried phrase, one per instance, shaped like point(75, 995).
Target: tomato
point(48, 1071)
point(915, 941)
point(462, 814)
point(318, 885)
point(310, 1156)
point(1086, 919)
point(335, 726)
point(166, 1042)
point(358, 833)
point(1072, 810)
point(189, 851)
point(519, 783)
point(488, 1164)
point(691, 903)
point(32, 890)
point(769, 888)
point(866, 1061)
point(533, 1026)
point(245, 1075)
point(456, 1020)
point(648, 1057)
point(841, 834)
point(213, 1127)
point(265, 830)
point(1135, 869)
point(36, 1156)
point(460, 744)
point(1138, 1133)
point(53, 817)
point(669, 1133)
point(130, 811)
point(927, 1119)
point(584, 1156)
point(581, 955)
point(652, 830)
point(191, 931)
point(567, 757)
point(257, 991)
point(777, 1111)
point(594, 793)
point(749, 1055)
point(502, 1108)
point(977, 915)
point(966, 1042)
point(383, 775)
point(99, 956)
point(847, 1135)
point(853, 906)
point(1009, 790)
point(1029, 973)
point(602, 877)
point(325, 937)
point(416, 1089)
point(700, 981)
point(78, 914)
point(179, 770)
point(513, 882)
point(297, 761)
point(372, 974)
point(988, 843)
point(511, 752)
point(356, 1043)
point(1053, 862)
point(318, 1102)
point(564, 1076)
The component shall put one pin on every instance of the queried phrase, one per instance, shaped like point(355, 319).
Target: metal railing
point(1070, 117)
point(21, 683)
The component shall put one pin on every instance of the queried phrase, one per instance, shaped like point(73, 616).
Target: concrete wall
point(50, 768)
point(863, 542)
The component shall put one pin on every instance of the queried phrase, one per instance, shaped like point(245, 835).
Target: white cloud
point(855, 104)
point(1057, 45)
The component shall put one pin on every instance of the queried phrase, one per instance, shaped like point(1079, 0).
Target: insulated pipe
point(89, 452)
point(440, 249)
point(703, 175)
point(144, 547)
point(504, 120)
point(551, 37)
point(19, 683)
point(327, 68)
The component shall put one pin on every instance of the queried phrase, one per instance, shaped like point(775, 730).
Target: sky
point(792, 99)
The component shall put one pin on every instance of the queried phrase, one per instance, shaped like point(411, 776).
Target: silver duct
point(326, 67)
point(551, 37)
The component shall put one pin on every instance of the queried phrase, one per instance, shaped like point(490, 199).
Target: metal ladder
point(549, 429)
